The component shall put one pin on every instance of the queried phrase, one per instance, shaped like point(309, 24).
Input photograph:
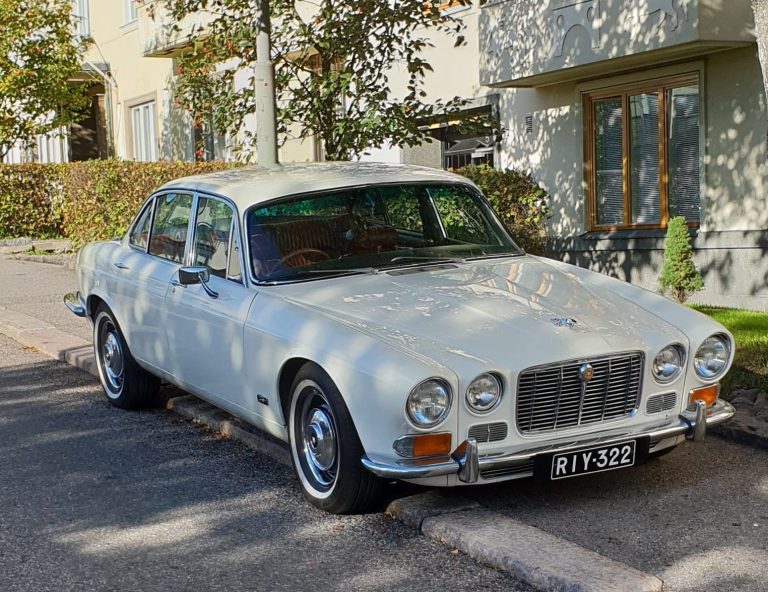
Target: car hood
point(515, 312)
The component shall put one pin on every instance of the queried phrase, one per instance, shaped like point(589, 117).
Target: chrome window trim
point(152, 224)
point(465, 184)
point(234, 232)
point(148, 203)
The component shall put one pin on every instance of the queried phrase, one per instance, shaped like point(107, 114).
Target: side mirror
point(189, 276)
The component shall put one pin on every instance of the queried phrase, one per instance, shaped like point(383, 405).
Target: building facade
point(628, 112)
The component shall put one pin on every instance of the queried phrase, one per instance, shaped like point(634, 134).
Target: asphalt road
point(94, 498)
point(697, 517)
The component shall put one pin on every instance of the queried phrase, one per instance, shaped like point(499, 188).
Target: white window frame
point(143, 121)
point(81, 17)
point(130, 11)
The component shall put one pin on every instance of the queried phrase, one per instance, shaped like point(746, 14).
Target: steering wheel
point(306, 251)
point(206, 239)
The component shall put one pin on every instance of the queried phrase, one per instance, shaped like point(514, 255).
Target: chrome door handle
point(121, 265)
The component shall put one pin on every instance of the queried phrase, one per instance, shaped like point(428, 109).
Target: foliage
point(332, 70)
point(678, 275)
point(519, 200)
point(84, 201)
point(30, 200)
point(40, 54)
point(750, 362)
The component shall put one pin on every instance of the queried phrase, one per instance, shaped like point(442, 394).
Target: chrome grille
point(659, 403)
point(488, 432)
point(519, 469)
point(554, 397)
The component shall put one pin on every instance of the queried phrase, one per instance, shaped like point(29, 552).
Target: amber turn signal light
point(419, 445)
point(708, 394)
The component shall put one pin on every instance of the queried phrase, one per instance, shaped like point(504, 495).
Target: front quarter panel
point(374, 378)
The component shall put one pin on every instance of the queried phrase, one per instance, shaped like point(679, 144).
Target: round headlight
point(429, 403)
point(668, 363)
point(712, 357)
point(484, 393)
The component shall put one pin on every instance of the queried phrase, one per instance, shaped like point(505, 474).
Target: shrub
point(678, 275)
point(30, 200)
point(83, 201)
point(520, 201)
point(103, 196)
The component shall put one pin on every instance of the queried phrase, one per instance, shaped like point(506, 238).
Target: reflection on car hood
point(491, 311)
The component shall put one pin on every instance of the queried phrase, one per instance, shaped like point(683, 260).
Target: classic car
point(382, 322)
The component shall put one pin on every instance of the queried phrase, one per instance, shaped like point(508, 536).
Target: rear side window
point(169, 229)
point(140, 234)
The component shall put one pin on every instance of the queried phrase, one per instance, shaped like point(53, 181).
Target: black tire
point(126, 384)
point(331, 475)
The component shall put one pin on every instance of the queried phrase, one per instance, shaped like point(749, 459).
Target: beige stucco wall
point(134, 76)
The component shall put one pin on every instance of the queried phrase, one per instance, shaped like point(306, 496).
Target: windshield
point(363, 229)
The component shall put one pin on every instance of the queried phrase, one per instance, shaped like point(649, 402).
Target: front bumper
point(467, 463)
point(75, 303)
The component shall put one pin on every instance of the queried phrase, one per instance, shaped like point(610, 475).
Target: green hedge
point(83, 201)
point(520, 201)
point(31, 200)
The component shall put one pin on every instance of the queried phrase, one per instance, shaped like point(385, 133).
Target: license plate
point(593, 460)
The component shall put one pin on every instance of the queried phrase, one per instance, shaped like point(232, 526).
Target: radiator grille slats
point(659, 403)
point(489, 432)
point(554, 397)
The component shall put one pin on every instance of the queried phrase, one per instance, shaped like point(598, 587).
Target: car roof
point(251, 185)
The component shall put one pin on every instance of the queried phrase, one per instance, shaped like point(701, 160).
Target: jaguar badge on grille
point(563, 322)
point(586, 372)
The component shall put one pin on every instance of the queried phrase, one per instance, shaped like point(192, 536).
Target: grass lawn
point(750, 329)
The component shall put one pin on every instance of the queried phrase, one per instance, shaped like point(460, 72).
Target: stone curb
point(63, 260)
point(540, 559)
point(220, 421)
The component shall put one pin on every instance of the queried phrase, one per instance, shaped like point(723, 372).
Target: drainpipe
point(264, 79)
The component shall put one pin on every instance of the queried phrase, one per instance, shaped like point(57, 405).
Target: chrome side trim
point(462, 461)
point(75, 303)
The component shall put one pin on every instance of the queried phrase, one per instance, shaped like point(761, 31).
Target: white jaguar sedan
point(381, 320)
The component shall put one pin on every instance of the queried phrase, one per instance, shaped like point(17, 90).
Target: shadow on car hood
point(489, 311)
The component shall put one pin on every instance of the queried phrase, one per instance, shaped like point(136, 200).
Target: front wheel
point(325, 447)
point(126, 384)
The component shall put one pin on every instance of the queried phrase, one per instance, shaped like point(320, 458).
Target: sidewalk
point(37, 290)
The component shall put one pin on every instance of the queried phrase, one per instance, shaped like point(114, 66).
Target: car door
point(205, 332)
point(142, 270)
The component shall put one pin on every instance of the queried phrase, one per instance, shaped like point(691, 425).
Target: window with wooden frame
point(643, 153)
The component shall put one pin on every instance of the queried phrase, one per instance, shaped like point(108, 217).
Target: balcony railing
point(537, 42)
point(162, 36)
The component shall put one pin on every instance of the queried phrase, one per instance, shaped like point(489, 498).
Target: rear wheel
point(325, 447)
point(126, 384)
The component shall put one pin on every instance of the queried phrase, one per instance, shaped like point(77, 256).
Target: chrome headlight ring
point(712, 357)
point(484, 393)
point(668, 363)
point(429, 403)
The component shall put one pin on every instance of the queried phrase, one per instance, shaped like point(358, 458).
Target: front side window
point(213, 236)
point(144, 136)
point(139, 236)
point(359, 230)
point(170, 227)
point(644, 154)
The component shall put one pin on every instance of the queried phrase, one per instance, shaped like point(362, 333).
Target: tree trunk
point(760, 8)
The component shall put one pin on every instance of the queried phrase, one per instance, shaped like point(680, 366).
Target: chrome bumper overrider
point(75, 303)
point(467, 463)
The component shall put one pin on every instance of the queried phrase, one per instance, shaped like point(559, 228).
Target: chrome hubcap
point(112, 360)
point(319, 440)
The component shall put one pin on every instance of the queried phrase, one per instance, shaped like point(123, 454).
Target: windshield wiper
point(298, 273)
point(495, 256)
point(425, 259)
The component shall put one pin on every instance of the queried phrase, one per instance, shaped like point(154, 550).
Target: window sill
point(130, 26)
point(630, 233)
